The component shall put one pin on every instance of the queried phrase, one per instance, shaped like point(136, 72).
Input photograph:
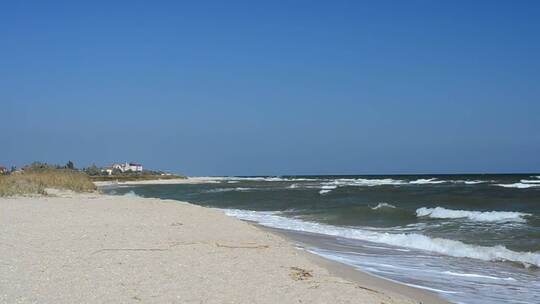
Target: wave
point(293, 186)
point(530, 181)
point(468, 182)
point(327, 188)
point(131, 194)
point(383, 205)
point(229, 189)
point(478, 216)
point(424, 181)
point(407, 240)
point(518, 185)
point(474, 275)
point(256, 179)
point(366, 182)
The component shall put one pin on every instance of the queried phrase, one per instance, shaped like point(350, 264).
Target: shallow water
point(470, 238)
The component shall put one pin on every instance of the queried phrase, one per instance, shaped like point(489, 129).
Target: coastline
point(127, 249)
point(350, 273)
point(175, 181)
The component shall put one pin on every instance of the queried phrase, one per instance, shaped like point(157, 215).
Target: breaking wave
point(423, 181)
point(366, 182)
point(530, 181)
point(518, 185)
point(408, 240)
point(131, 194)
point(229, 189)
point(327, 188)
point(383, 205)
point(478, 216)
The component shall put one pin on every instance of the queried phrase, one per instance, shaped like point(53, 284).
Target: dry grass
point(36, 181)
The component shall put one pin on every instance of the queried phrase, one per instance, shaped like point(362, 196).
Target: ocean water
point(469, 238)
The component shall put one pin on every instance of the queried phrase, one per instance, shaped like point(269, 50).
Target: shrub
point(36, 180)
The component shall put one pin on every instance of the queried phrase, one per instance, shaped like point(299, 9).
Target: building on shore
point(125, 167)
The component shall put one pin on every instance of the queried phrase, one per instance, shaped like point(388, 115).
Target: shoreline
point(175, 181)
point(105, 248)
point(340, 269)
point(348, 272)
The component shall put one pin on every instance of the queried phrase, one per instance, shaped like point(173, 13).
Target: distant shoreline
point(157, 181)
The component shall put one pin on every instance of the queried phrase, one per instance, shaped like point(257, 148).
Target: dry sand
point(96, 248)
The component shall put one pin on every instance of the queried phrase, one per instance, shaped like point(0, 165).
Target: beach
point(95, 248)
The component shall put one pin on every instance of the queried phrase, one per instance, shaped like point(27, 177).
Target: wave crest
point(383, 205)
point(479, 216)
point(408, 240)
point(518, 185)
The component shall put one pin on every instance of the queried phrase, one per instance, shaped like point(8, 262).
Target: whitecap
point(366, 182)
point(229, 189)
point(383, 205)
point(424, 181)
point(407, 240)
point(131, 193)
point(478, 216)
point(327, 188)
point(518, 185)
point(530, 181)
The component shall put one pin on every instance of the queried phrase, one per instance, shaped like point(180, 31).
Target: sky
point(273, 87)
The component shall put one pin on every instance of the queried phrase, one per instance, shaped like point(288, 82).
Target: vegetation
point(38, 176)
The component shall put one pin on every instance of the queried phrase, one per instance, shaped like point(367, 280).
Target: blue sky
point(272, 87)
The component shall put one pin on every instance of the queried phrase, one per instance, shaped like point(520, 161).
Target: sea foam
point(478, 216)
point(424, 181)
point(383, 205)
point(408, 240)
point(327, 188)
point(366, 182)
point(518, 185)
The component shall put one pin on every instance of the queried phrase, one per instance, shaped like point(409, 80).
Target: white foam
point(518, 185)
point(131, 194)
point(293, 186)
point(468, 182)
point(383, 205)
point(478, 216)
point(255, 179)
point(366, 182)
point(327, 188)
point(229, 189)
point(530, 181)
point(423, 181)
point(474, 182)
point(430, 289)
point(474, 275)
point(408, 240)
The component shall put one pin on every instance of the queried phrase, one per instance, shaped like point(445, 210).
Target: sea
point(468, 238)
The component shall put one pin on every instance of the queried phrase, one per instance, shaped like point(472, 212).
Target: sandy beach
point(93, 248)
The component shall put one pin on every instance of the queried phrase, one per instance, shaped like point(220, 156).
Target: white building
point(125, 167)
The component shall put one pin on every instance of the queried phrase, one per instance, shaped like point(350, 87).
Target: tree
point(93, 170)
point(70, 165)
